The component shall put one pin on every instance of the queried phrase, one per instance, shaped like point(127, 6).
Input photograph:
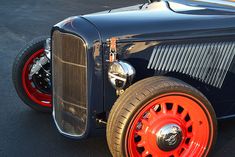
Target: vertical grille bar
point(69, 74)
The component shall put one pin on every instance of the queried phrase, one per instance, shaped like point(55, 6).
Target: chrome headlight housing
point(121, 74)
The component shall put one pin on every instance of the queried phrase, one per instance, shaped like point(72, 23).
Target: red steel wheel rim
point(179, 109)
point(34, 94)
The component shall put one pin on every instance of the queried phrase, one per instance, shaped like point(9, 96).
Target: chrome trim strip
point(72, 104)
point(70, 63)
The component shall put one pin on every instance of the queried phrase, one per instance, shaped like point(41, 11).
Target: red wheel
point(39, 97)
point(169, 126)
point(161, 118)
point(34, 89)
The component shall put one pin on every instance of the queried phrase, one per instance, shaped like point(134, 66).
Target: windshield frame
point(223, 5)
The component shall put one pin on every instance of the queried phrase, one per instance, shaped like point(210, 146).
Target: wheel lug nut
point(139, 126)
point(146, 115)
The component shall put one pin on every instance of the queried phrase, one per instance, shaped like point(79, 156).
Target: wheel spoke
point(141, 144)
point(189, 123)
point(185, 146)
point(164, 109)
point(140, 133)
point(184, 114)
point(176, 154)
point(145, 123)
point(145, 153)
point(174, 109)
point(153, 114)
point(189, 135)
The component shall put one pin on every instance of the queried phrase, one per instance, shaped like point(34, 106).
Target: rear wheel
point(161, 117)
point(34, 90)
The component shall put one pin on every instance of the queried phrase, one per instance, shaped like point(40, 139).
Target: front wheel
point(161, 117)
point(33, 86)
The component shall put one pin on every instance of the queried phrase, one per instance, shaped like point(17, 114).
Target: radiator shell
point(69, 74)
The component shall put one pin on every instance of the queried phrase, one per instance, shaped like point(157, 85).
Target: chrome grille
point(69, 74)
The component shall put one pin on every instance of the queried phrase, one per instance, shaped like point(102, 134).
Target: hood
point(160, 21)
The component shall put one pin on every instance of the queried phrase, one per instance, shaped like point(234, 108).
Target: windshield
point(225, 5)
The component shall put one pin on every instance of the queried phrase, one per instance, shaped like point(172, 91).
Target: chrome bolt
point(139, 126)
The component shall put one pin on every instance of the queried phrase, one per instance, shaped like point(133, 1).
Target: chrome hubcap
point(169, 137)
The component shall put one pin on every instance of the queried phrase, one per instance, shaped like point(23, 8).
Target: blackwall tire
point(20, 69)
point(161, 116)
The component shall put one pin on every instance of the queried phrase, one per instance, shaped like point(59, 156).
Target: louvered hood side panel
point(206, 62)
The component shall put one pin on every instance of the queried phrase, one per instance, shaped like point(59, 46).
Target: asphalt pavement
point(24, 132)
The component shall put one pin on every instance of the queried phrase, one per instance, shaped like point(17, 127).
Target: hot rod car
point(159, 75)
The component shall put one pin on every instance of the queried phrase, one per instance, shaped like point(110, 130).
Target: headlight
point(121, 74)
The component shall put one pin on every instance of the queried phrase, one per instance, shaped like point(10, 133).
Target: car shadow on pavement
point(38, 135)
